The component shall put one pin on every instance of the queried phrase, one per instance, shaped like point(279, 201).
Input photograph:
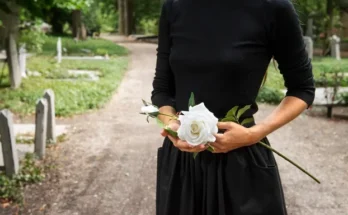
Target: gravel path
point(108, 166)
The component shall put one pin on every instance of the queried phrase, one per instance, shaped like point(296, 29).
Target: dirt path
point(108, 166)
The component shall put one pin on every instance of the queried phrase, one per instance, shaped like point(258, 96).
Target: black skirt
point(242, 182)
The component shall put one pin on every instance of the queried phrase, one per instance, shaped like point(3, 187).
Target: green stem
point(293, 163)
point(172, 116)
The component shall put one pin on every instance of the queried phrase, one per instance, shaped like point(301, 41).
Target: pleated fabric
point(242, 182)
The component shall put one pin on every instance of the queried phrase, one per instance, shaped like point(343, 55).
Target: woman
point(220, 50)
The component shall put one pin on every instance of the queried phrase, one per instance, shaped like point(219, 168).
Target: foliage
point(149, 26)
point(73, 4)
point(269, 95)
point(30, 172)
point(343, 97)
point(147, 13)
point(79, 48)
point(101, 17)
point(33, 38)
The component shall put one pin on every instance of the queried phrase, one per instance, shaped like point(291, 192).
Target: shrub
point(33, 38)
point(269, 95)
point(149, 26)
point(30, 172)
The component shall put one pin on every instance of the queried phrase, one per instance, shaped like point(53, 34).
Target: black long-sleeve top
point(220, 50)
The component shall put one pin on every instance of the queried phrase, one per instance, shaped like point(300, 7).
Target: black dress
point(220, 50)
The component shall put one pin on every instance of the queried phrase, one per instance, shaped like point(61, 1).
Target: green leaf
point(144, 102)
point(192, 100)
point(229, 119)
point(242, 111)
point(195, 155)
point(232, 112)
point(248, 120)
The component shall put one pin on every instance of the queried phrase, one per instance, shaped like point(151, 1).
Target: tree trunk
point(121, 14)
point(12, 59)
point(57, 21)
point(329, 25)
point(78, 27)
point(3, 30)
point(11, 25)
point(130, 18)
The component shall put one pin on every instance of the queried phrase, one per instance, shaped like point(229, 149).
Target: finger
point(195, 149)
point(173, 139)
point(184, 145)
point(164, 133)
point(224, 125)
point(217, 146)
point(219, 138)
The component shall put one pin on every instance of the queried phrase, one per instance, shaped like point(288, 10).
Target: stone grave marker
point(309, 46)
point(59, 50)
point(51, 117)
point(8, 143)
point(23, 61)
point(335, 47)
point(40, 128)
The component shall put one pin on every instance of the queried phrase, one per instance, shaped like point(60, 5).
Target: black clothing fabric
point(220, 50)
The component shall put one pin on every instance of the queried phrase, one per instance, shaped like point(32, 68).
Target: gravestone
point(8, 143)
point(23, 61)
point(59, 50)
point(40, 128)
point(309, 46)
point(309, 31)
point(51, 116)
point(335, 47)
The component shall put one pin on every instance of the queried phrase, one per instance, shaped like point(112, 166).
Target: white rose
point(149, 109)
point(198, 125)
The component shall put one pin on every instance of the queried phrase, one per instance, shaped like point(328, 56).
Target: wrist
point(257, 133)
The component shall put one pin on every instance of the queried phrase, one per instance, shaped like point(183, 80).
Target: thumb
point(224, 125)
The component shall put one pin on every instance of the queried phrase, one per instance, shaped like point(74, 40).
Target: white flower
point(150, 109)
point(198, 125)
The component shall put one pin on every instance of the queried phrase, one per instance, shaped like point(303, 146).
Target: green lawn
point(72, 97)
point(91, 47)
point(320, 65)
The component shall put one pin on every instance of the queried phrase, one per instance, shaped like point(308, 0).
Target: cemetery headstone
point(309, 31)
point(51, 116)
point(23, 61)
point(335, 47)
point(40, 128)
point(8, 143)
point(59, 50)
point(309, 46)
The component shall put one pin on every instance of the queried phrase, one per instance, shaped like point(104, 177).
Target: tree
point(76, 7)
point(9, 14)
point(126, 16)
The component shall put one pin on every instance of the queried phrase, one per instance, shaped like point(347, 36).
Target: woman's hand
point(235, 136)
point(180, 144)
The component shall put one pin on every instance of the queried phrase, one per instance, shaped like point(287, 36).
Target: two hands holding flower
point(235, 136)
point(196, 130)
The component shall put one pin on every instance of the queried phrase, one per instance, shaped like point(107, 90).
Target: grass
point(91, 47)
point(72, 97)
point(320, 65)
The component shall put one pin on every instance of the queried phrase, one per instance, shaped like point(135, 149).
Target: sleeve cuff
point(305, 95)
